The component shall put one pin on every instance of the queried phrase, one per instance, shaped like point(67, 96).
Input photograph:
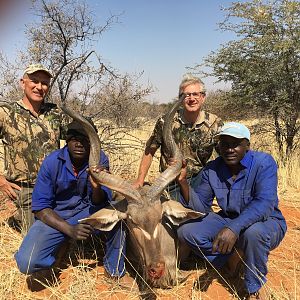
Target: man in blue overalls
point(63, 194)
point(244, 183)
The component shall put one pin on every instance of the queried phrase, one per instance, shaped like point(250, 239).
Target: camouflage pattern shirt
point(196, 141)
point(27, 139)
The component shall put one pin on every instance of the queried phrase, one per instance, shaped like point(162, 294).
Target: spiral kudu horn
point(172, 171)
point(111, 181)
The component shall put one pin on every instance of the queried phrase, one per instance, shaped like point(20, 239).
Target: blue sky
point(159, 37)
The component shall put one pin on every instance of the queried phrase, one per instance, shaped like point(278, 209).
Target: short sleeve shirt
point(196, 141)
point(27, 138)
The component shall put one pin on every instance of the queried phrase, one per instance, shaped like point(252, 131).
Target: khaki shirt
point(27, 138)
point(196, 141)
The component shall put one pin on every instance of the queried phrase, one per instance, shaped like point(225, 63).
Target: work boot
point(42, 279)
point(261, 294)
point(14, 224)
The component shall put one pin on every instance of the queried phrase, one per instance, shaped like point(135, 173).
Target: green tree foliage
point(223, 104)
point(263, 63)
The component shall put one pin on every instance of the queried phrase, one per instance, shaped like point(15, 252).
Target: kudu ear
point(106, 218)
point(178, 214)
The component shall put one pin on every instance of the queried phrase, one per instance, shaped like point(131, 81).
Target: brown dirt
point(84, 279)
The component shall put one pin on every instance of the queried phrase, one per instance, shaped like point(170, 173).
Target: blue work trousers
point(256, 242)
point(42, 242)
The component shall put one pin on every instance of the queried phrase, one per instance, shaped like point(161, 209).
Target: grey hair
point(189, 79)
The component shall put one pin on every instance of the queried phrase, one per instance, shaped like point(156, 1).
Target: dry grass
point(125, 148)
point(83, 276)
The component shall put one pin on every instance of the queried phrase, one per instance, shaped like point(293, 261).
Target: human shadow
point(234, 284)
point(40, 280)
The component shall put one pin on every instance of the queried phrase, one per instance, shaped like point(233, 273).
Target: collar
point(42, 108)
point(64, 154)
point(21, 103)
point(247, 160)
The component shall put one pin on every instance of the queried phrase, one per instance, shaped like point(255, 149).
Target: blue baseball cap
point(237, 130)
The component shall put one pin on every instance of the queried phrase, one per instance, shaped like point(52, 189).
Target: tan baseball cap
point(37, 67)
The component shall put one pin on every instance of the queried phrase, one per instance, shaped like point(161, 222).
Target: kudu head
point(148, 217)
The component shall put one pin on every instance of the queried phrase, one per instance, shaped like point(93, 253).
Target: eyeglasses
point(196, 95)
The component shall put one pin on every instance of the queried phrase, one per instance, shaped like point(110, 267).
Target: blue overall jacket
point(58, 188)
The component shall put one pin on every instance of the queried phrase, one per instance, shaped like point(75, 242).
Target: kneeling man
point(244, 183)
point(63, 194)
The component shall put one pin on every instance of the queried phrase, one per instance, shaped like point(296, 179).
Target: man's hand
point(183, 173)
point(96, 169)
point(182, 179)
point(51, 218)
point(7, 188)
point(99, 195)
point(80, 231)
point(224, 241)
point(137, 184)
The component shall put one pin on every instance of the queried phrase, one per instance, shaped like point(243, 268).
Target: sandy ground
point(82, 276)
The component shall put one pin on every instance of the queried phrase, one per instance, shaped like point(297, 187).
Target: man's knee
point(187, 234)
point(253, 236)
point(182, 232)
point(203, 231)
point(37, 250)
point(28, 264)
point(25, 264)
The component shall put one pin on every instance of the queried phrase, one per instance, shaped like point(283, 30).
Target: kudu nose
point(156, 271)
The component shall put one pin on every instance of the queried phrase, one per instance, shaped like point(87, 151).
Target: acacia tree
point(120, 100)
point(263, 63)
point(223, 104)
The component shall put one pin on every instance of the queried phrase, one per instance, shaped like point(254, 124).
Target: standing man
point(193, 130)
point(244, 183)
point(63, 194)
point(30, 129)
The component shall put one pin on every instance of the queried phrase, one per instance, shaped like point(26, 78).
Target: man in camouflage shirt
point(30, 129)
point(193, 131)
